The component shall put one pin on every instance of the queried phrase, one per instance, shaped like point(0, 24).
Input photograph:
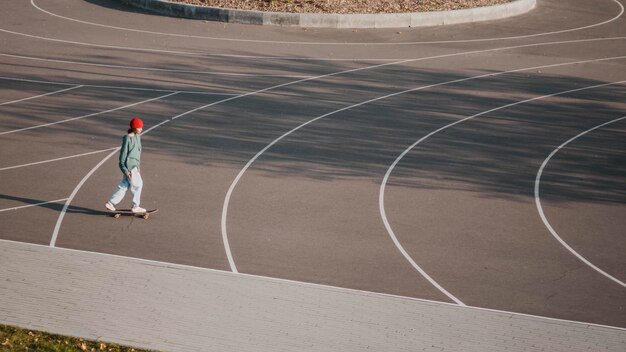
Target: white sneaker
point(109, 206)
point(138, 210)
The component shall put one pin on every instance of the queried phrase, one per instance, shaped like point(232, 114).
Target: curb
point(318, 20)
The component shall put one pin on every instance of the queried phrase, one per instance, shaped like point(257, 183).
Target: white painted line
point(231, 262)
point(543, 216)
point(381, 198)
point(57, 227)
point(55, 233)
point(257, 155)
point(407, 256)
point(341, 43)
point(86, 177)
point(56, 159)
point(39, 96)
point(309, 284)
point(288, 58)
point(111, 87)
point(402, 61)
point(225, 240)
point(158, 51)
point(85, 116)
point(227, 200)
point(138, 68)
point(33, 205)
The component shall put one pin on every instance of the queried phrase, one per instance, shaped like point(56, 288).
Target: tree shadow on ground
point(497, 154)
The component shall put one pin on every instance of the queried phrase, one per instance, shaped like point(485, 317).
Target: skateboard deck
point(119, 212)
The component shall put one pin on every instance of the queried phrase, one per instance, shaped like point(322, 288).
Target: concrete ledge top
point(320, 20)
point(172, 307)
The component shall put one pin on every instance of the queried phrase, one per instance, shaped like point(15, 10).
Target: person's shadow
point(56, 206)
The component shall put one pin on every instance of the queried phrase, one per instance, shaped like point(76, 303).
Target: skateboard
point(119, 212)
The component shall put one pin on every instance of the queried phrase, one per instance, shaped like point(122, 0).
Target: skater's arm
point(124, 156)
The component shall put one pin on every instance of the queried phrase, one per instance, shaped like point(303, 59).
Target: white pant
point(135, 183)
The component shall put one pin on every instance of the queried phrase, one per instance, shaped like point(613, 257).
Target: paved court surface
point(480, 166)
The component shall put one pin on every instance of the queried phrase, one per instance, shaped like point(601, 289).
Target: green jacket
point(130, 153)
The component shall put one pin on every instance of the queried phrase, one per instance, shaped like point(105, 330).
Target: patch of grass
point(18, 340)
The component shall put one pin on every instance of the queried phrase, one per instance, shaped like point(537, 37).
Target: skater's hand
point(128, 175)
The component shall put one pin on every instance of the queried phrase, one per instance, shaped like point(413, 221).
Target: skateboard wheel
point(117, 215)
point(145, 216)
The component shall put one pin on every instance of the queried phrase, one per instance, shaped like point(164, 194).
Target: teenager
point(129, 161)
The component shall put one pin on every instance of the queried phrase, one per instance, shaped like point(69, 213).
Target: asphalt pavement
point(453, 187)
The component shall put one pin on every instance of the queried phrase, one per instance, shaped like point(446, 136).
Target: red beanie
point(136, 123)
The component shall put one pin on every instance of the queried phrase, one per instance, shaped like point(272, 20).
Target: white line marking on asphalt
point(33, 205)
point(308, 284)
point(56, 159)
point(112, 87)
point(174, 52)
point(400, 61)
point(57, 227)
point(241, 56)
point(224, 209)
point(543, 216)
point(225, 240)
point(85, 116)
point(335, 43)
point(138, 68)
point(342, 43)
point(407, 150)
point(255, 157)
point(39, 96)
point(55, 233)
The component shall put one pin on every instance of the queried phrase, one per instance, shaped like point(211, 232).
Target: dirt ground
point(345, 6)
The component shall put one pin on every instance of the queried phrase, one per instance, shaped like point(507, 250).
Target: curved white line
point(33, 205)
point(138, 68)
point(55, 233)
point(257, 155)
point(56, 159)
point(57, 227)
point(224, 235)
point(543, 216)
point(414, 43)
point(372, 66)
point(174, 52)
point(378, 65)
point(110, 87)
point(381, 197)
point(85, 116)
point(335, 43)
point(39, 96)
point(259, 57)
point(408, 257)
